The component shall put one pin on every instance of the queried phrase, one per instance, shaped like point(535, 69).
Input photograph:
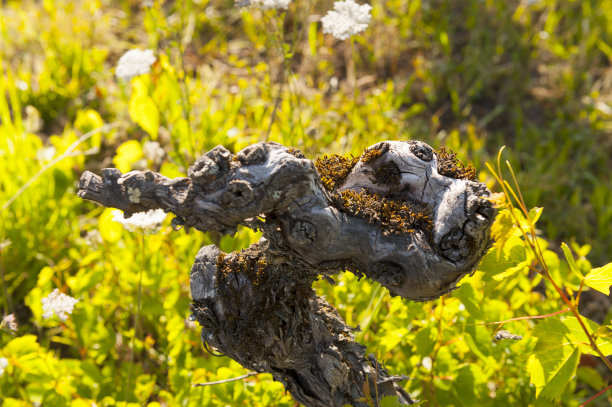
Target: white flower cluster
point(3, 365)
point(60, 304)
point(134, 62)
point(271, 4)
point(153, 151)
point(346, 19)
point(146, 222)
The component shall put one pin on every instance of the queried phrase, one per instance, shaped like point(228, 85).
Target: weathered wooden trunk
point(402, 214)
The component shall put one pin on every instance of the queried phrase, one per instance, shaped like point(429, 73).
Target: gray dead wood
point(257, 306)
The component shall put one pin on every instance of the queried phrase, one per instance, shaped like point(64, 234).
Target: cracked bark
point(257, 306)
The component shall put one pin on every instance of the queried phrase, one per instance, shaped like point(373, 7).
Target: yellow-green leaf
point(511, 271)
point(127, 154)
point(142, 109)
point(601, 334)
point(554, 359)
point(88, 120)
point(109, 230)
point(389, 401)
point(534, 214)
point(600, 278)
point(557, 382)
point(570, 260)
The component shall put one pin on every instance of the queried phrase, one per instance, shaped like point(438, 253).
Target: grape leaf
point(602, 336)
point(554, 359)
point(600, 278)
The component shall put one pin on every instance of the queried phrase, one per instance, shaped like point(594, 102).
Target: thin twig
point(522, 318)
point(233, 379)
point(597, 395)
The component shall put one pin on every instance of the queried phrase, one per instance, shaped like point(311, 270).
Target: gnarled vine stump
point(402, 214)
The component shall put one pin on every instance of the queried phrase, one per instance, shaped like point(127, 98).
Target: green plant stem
point(537, 250)
point(233, 379)
point(531, 239)
point(597, 395)
point(185, 92)
point(7, 297)
point(351, 74)
point(431, 386)
point(137, 315)
point(278, 45)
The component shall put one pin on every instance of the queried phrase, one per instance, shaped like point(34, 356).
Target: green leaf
point(467, 384)
point(601, 334)
point(511, 271)
point(554, 359)
point(143, 109)
point(503, 229)
point(468, 298)
point(600, 278)
point(555, 386)
point(88, 120)
point(570, 260)
point(127, 154)
point(534, 214)
point(391, 338)
point(591, 377)
point(499, 264)
point(389, 401)
point(425, 341)
point(313, 29)
point(110, 230)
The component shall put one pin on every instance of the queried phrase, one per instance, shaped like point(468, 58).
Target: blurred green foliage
point(469, 75)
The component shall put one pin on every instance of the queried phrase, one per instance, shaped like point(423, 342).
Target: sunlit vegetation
point(470, 76)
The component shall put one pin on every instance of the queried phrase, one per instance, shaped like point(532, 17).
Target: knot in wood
point(239, 193)
point(454, 245)
point(203, 171)
point(251, 155)
point(303, 232)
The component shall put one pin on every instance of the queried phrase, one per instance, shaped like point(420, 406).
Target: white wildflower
point(21, 85)
point(45, 154)
point(427, 363)
point(271, 4)
point(153, 151)
point(233, 132)
point(32, 121)
point(5, 243)
point(346, 19)
point(134, 62)
point(93, 238)
point(3, 365)
point(9, 322)
point(58, 303)
point(146, 222)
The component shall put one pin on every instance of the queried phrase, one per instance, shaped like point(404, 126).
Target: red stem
point(595, 396)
